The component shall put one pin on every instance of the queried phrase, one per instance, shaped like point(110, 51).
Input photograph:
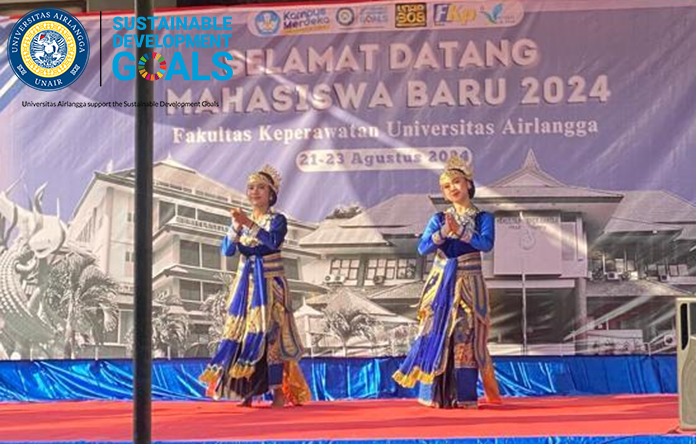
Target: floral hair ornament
point(456, 166)
point(268, 175)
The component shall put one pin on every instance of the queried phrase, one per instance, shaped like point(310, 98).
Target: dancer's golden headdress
point(267, 175)
point(456, 166)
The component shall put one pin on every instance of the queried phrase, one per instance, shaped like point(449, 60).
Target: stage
point(583, 399)
point(524, 420)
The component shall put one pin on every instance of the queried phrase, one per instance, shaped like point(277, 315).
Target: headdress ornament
point(457, 166)
point(268, 175)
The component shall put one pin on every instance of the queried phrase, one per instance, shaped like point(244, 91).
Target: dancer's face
point(259, 194)
point(456, 189)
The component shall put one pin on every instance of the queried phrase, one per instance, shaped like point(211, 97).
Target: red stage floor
point(601, 415)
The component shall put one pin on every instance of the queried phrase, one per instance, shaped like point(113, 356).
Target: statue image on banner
point(54, 299)
point(28, 242)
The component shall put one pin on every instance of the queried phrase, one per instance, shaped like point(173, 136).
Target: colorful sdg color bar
point(156, 58)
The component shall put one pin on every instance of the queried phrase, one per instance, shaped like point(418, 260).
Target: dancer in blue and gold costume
point(451, 347)
point(260, 348)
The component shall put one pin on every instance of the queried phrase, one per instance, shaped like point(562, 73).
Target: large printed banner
point(577, 117)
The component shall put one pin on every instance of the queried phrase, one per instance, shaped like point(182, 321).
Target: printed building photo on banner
point(616, 259)
point(580, 130)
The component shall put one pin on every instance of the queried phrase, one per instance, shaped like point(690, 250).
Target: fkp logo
point(48, 49)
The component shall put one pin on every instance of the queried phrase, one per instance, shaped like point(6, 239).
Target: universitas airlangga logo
point(48, 49)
